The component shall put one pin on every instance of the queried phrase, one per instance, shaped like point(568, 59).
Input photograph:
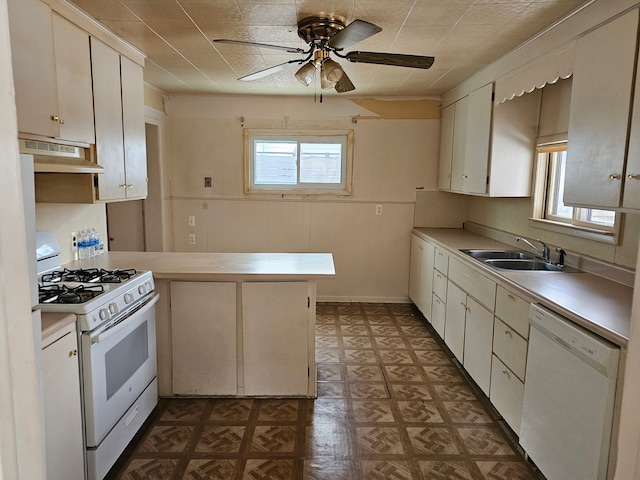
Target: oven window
point(122, 361)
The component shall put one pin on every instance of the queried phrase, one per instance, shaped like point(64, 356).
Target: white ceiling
point(462, 35)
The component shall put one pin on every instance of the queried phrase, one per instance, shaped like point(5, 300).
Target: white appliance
point(117, 346)
point(569, 396)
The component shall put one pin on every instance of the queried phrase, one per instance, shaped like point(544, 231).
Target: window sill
point(576, 231)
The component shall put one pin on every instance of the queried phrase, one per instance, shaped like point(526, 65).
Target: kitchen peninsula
point(232, 324)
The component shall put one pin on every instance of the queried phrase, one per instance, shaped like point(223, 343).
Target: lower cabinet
point(455, 320)
point(243, 339)
point(421, 274)
point(478, 337)
point(275, 332)
point(203, 336)
point(507, 394)
point(64, 450)
point(438, 315)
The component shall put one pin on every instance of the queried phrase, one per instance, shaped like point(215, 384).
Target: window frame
point(300, 188)
point(542, 216)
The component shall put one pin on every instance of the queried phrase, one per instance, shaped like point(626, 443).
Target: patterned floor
point(391, 405)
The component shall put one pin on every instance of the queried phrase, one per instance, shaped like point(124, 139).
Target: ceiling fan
point(326, 35)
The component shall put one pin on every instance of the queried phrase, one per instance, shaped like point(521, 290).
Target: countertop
point(218, 266)
point(596, 303)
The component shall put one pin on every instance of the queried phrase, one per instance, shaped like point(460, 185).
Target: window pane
point(601, 217)
point(559, 209)
point(320, 162)
point(275, 162)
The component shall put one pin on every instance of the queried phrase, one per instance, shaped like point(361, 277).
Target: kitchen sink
point(498, 254)
point(517, 264)
point(515, 260)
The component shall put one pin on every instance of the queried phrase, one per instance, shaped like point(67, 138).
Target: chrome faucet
point(544, 251)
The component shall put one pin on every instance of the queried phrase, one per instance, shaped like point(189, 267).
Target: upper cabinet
point(52, 73)
point(120, 135)
point(597, 171)
point(488, 149)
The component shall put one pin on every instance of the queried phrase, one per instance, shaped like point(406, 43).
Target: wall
point(392, 157)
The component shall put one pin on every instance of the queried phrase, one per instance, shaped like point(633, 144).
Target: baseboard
point(349, 299)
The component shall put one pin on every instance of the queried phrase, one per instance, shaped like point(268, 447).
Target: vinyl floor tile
point(392, 404)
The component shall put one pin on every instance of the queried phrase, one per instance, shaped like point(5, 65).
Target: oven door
point(118, 364)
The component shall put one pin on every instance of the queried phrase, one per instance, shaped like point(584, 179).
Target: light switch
point(378, 209)
point(192, 220)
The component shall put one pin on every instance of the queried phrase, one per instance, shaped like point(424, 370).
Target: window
point(548, 204)
point(302, 163)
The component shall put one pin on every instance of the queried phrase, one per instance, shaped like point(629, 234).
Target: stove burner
point(116, 276)
point(89, 275)
point(65, 294)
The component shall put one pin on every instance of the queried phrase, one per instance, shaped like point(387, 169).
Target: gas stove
point(96, 296)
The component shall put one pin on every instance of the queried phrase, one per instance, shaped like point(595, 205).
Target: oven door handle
point(101, 337)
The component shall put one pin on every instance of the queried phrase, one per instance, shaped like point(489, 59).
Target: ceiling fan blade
point(344, 84)
point(266, 72)
point(394, 59)
point(260, 45)
point(353, 33)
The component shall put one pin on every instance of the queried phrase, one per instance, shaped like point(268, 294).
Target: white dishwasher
point(569, 394)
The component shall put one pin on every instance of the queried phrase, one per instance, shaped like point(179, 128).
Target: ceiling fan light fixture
point(306, 73)
point(331, 72)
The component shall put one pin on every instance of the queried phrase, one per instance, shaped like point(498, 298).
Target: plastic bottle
point(95, 243)
point(83, 245)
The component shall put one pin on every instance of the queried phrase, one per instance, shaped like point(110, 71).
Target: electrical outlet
point(192, 239)
point(378, 209)
point(192, 221)
point(74, 242)
point(207, 182)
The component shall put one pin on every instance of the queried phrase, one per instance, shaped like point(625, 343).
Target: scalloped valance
point(548, 70)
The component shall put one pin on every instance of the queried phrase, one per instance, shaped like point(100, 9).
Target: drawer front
point(510, 347)
point(506, 394)
point(513, 310)
point(440, 284)
point(442, 261)
point(438, 312)
point(473, 282)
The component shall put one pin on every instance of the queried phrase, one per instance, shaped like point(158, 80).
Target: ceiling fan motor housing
point(318, 29)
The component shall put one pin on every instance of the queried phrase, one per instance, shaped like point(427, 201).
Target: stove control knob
point(113, 308)
point(104, 314)
point(142, 289)
point(128, 298)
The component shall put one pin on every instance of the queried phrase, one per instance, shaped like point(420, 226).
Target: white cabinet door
point(421, 274)
point(455, 320)
point(34, 69)
point(73, 71)
point(203, 335)
point(446, 147)
point(64, 448)
point(135, 149)
point(105, 64)
point(438, 315)
point(459, 144)
point(506, 394)
point(599, 113)
point(478, 338)
point(477, 140)
point(276, 342)
point(631, 198)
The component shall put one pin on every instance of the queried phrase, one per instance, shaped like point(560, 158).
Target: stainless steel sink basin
point(514, 264)
point(499, 254)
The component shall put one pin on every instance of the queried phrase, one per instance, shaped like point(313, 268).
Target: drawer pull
point(633, 176)
point(464, 305)
point(511, 297)
point(73, 353)
point(615, 176)
point(506, 372)
point(438, 275)
point(508, 332)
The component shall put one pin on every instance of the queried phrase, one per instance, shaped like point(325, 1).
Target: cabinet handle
point(506, 372)
point(129, 185)
point(615, 176)
point(464, 305)
point(438, 275)
point(73, 353)
point(511, 297)
point(55, 118)
point(420, 247)
point(508, 332)
point(633, 176)
point(465, 177)
point(62, 121)
point(123, 185)
point(468, 309)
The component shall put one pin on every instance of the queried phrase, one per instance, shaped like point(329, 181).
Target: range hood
point(58, 158)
